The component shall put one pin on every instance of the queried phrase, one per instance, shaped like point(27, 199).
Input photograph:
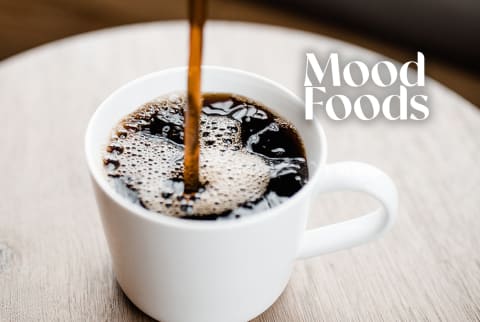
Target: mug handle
point(352, 176)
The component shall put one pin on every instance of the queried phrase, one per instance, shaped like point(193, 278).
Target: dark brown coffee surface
point(250, 158)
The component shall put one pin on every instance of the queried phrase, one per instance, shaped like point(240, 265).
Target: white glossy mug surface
point(179, 270)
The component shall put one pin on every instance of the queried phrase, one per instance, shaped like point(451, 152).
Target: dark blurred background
point(447, 31)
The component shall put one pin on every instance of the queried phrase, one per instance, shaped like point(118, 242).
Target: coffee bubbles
point(250, 159)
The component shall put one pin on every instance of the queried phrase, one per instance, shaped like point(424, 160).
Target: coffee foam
point(143, 166)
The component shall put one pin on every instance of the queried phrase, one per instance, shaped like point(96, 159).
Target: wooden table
point(54, 263)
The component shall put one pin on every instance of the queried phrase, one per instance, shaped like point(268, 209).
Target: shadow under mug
point(178, 270)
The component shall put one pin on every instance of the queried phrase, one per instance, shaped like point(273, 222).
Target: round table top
point(54, 261)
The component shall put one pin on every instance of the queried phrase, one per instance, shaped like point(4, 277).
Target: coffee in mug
point(251, 159)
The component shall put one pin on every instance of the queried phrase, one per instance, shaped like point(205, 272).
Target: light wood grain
point(54, 263)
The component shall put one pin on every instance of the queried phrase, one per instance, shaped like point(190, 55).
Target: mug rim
point(157, 218)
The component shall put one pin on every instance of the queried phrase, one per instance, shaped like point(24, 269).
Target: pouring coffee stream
point(197, 15)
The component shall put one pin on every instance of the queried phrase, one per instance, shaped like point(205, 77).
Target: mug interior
point(214, 79)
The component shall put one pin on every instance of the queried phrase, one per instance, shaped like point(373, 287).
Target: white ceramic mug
point(178, 270)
